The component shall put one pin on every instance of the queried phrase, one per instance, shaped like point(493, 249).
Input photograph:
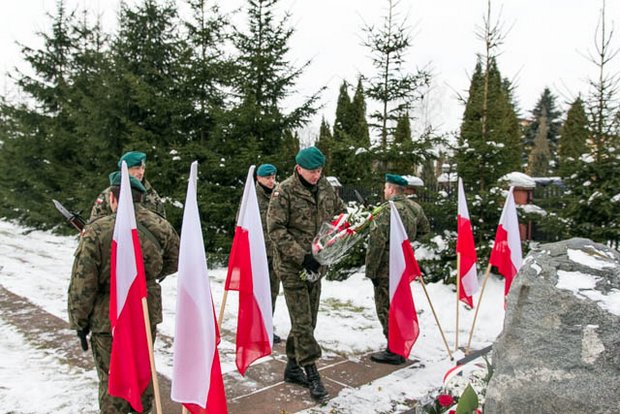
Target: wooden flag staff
point(436, 319)
point(149, 340)
point(221, 316)
point(458, 287)
point(484, 283)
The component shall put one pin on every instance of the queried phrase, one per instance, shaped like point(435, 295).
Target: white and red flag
point(196, 374)
point(465, 248)
point(248, 273)
point(130, 370)
point(403, 328)
point(506, 254)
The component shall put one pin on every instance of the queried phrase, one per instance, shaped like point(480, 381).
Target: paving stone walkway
point(261, 391)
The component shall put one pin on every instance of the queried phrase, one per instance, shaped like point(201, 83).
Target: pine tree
point(538, 161)
point(343, 121)
point(490, 142)
point(359, 125)
point(264, 78)
point(325, 142)
point(592, 208)
point(402, 133)
point(573, 138)
point(40, 149)
point(547, 104)
point(391, 86)
point(147, 55)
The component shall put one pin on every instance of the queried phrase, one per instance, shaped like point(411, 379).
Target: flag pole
point(222, 306)
point(436, 319)
point(184, 410)
point(484, 283)
point(149, 340)
point(458, 287)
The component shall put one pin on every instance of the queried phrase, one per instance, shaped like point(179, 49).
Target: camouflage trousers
point(101, 345)
point(302, 301)
point(382, 301)
point(274, 282)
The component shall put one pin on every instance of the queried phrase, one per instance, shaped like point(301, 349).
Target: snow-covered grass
point(37, 265)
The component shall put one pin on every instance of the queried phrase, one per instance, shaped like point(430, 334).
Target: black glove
point(311, 264)
point(82, 334)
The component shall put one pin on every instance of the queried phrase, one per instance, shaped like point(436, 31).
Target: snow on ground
point(37, 265)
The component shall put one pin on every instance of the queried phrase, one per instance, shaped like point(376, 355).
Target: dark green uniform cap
point(265, 170)
point(310, 158)
point(115, 180)
point(133, 159)
point(396, 179)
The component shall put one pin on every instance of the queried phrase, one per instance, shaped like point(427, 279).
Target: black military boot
point(387, 357)
point(317, 390)
point(294, 374)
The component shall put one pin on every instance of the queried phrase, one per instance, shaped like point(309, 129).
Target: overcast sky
point(546, 44)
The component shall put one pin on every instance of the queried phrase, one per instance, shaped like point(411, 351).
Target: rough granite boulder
point(559, 351)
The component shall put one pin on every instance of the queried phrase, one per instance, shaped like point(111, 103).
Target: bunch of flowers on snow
point(338, 236)
point(463, 392)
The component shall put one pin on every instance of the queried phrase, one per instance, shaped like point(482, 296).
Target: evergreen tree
point(350, 134)
point(573, 138)
point(264, 78)
point(489, 143)
point(402, 133)
point(40, 149)
point(147, 56)
point(325, 142)
point(592, 208)
point(359, 126)
point(391, 86)
point(538, 162)
point(344, 121)
point(207, 71)
point(546, 104)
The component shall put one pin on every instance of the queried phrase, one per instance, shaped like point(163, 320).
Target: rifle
point(361, 199)
point(74, 218)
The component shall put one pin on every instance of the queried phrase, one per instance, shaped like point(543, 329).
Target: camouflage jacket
point(89, 289)
point(151, 201)
point(415, 222)
point(295, 216)
point(263, 205)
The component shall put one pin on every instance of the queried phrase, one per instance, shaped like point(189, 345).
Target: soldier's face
point(388, 191)
point(137, 172)
point(268, 181)
point(312, 176)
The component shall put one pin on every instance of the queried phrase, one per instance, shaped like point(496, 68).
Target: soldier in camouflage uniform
point(377, 256)
point(89, 290)
point(265, 182)
point(298, 207)
point(136, 165)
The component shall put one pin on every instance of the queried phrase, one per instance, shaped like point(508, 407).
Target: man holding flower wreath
point(298, 207)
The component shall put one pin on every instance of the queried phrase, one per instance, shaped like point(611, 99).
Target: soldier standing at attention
point(265, 182)
point(298, 207)
point(378, 253)
point(89, 290)
point(136, 166)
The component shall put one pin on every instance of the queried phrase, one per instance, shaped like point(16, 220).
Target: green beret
point(396, 179)
point(133, 159)
point(115, 180)
point(310, 158)
point(265, 170)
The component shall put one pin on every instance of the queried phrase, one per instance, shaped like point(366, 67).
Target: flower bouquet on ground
point(338, 236)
